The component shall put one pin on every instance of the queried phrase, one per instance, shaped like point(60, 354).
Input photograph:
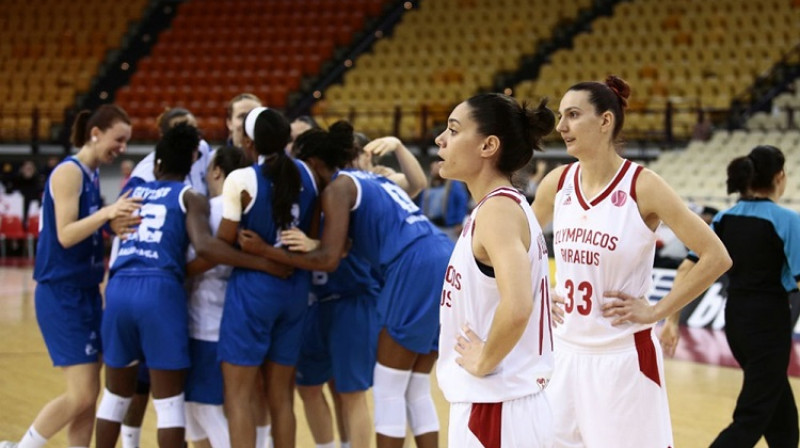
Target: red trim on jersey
point(563, 176)
point(576, 184)
point(541, 326)
point(613, 184)
point(499, 191)
point(633, 182)
point(549, 321)
point(506, 191)
point(648, 360)
point(509, 195)
point(485, 421)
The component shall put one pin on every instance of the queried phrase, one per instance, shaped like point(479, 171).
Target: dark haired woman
point(496, 344)
point(262, 322)
point(763, 240)
point(340, 337)
point(608, 384)
point(69, 268)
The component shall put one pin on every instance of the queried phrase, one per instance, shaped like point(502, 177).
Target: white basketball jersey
point(207, 291)
point(470, 297)
point(601, 244)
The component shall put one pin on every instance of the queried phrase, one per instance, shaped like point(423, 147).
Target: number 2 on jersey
point(153, 217)
point(584, 301)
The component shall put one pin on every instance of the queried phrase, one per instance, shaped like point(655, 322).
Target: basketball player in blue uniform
point(389, 231)
point(146, 310)
point(340, 339)
point(69, 268)
point(262, 320)
point(339, 345)
point(143, 172)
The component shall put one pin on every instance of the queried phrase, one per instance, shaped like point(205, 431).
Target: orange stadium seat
point(55, 46)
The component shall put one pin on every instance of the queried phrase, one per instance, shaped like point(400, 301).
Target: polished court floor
point(701, 396)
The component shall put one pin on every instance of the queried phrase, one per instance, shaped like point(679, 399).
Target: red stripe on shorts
point(648, 361)
point(485, 420)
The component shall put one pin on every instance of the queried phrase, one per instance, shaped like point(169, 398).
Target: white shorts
point(611, 398)
point(207, 421)
point(526, 422)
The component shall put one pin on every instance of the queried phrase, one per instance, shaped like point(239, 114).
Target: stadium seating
point(215, 50)
point(779, 118)
point(698, 173)
point(11, 230)
point(49, 52)
point(695, 54)
point(440, 54)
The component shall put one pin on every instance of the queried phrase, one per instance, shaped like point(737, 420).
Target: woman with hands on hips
point(495, 340)
point(608, 389)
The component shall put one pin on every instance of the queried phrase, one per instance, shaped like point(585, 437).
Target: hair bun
point(541, 121)
point(620, 88)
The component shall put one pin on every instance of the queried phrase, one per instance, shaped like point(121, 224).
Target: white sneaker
point(8, 444)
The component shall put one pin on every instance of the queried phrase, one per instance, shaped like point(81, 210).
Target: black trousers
point(759, 332)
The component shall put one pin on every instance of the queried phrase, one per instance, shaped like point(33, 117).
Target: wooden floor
point(701, 397)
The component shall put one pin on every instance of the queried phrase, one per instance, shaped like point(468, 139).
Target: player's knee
point(81, 401)
point(170, 412)
point(389, 391)
point(113, 407)
point(310, 393)
point(422, 415)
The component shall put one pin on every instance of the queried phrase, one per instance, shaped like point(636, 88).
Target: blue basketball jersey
point(81, 265)
point(353, 277)
point(384, 220)
point(258, 215)
point(160, 241)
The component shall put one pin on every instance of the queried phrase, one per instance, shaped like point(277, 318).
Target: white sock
point(344, 444)
point(32, 439)
point(264, 436)
point(130, 436)
point(326, 445)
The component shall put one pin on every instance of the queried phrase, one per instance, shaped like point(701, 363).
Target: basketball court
point(702, 396)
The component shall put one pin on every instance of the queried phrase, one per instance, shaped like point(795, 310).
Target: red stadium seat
point(10, 230)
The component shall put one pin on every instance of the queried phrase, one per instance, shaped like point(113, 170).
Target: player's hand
point(123, 226)
point(295, 240)
point(382, 146)
point(669, 337)
point(556, 308)
point(470, 347)
point(123, 207)
point(624, 308)
point(251, 242)
point(277, 269)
